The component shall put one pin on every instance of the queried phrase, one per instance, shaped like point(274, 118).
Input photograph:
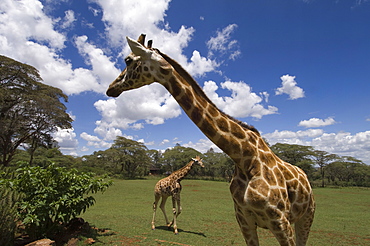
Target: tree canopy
point(30, 111)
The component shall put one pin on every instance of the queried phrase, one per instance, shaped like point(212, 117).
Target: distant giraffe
point(267, 191)
point(170, 186)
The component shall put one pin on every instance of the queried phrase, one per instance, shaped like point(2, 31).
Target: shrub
point(8, 211)
point(54, 196)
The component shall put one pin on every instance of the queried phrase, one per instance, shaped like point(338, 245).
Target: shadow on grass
point(76, 230)
point(166, 228)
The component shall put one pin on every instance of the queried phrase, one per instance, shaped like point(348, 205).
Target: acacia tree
point(177, 157)
point(322, 159)
point(132, 156)
point(30, 111)
point(219, 165)
point(292, 153)
point(347, 170)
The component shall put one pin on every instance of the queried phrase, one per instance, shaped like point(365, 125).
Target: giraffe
point(171, 186)
point(267, 192)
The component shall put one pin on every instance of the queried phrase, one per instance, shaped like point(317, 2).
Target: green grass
point(207, 218)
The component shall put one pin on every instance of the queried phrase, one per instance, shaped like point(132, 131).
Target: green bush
point(54, 196)
point(8, 209)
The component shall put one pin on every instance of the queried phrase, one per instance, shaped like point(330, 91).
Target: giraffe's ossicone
point(267, 191)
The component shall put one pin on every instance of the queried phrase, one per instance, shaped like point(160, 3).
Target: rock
point(42, 242)
point(89, 241)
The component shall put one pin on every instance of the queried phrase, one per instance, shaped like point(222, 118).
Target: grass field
point(124, 212)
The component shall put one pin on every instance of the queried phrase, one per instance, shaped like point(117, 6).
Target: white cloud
point(67, 141)
point(299, 137)
point(341, 143)
point(124, 112)
point(103, 70)
point(223, 44)
point(28, 35)
point(164, 141)
point(21, 21)
point(172, 43)
point(95, 141)
point(203, 145)
point(89, 137)
point(289, 87)
point(200, 65)
point(94, 11)
point(242, 102)
point(316, 122)
point(138, 15)
point(68, 19)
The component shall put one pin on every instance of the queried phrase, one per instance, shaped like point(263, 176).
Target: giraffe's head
point(143, 66)
point(198, 160)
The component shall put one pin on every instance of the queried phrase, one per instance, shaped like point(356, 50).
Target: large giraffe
point(171, 186)
point(267, 191)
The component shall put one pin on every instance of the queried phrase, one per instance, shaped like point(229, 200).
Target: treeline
point(129, 159)
point(31, 111)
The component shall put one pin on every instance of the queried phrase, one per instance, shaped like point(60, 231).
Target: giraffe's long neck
point(181, 173)
point(235, 139)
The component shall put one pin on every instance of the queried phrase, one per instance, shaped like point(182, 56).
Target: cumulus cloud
point(242, 102)
point(341, 143)
point(200, 65)
point(289, 87)
point(132, 109)
point(29, 35)
point(316, 122)
point(172, 43)
point(299, 137)
point(67, 141)
point(94, 141)
point(203, 145)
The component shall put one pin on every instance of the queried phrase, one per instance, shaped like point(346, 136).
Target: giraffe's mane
point(182, 168)
point(180, 70)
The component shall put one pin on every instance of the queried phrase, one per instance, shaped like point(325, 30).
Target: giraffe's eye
point(128, 61)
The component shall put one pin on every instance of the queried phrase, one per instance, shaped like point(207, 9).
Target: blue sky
point(298, 70)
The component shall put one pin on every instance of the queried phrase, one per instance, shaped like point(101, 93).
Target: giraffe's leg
point(156, 200)
point(175, 200)
point(302, 227)
point(248, 228)
point(283, 232)
point(163, 208)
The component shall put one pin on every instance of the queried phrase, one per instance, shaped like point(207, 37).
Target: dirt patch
point(173, 243)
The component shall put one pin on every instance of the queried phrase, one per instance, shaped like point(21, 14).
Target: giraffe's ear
point(137, 48)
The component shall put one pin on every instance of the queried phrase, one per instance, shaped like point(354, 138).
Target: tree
point(292, 153)
point(132, 156)
point(30, 111)
point(218, 165)
point(348, 171)
point(177, 157)
point(322, 159)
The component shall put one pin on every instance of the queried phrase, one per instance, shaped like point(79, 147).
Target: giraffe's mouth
point(112, 93)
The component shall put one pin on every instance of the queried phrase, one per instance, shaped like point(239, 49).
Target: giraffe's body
point(267, 191)
point(171, 186)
